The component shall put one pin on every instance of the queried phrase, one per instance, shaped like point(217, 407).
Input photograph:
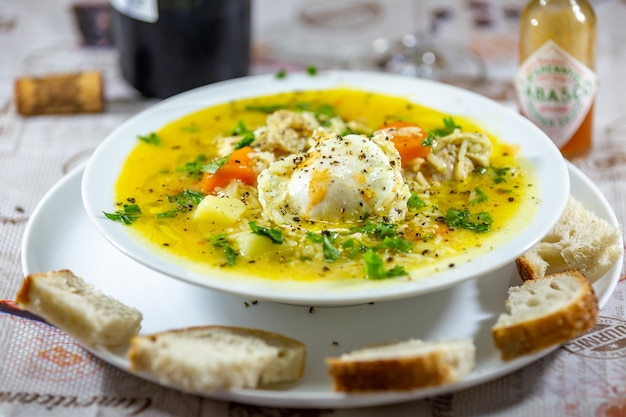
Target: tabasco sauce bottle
point(556, 80)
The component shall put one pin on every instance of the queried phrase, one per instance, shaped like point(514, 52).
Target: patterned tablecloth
point(43, 372)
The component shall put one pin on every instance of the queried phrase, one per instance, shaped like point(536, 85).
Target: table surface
point(39, 38)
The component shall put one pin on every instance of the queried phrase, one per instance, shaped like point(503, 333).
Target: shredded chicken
point(456, 155)
point(286, 131)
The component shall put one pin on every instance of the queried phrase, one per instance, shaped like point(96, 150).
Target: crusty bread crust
point(535, 334)
point(402, 366)
point(75, 306)
point(526, 269)
point(396, 374)
point(580, 240)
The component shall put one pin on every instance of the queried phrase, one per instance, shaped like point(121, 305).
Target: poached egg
point(339, 180)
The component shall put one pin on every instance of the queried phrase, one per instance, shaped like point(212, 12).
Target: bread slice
point(68, 302)
point(545, 312)
point(209, 358)
point(580, 240)
point(402, 366)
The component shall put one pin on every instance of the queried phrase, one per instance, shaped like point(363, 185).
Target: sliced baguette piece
point(76, 307)
point(209, 358)
point(545, 312)
point(402, 366)
point(580, 240)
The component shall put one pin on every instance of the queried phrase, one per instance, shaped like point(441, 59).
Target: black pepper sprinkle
point(245, 303)
point(311, 310)
point(335, 343)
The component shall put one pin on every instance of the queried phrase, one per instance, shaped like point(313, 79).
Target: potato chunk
point(253, 246)
point(219, 211)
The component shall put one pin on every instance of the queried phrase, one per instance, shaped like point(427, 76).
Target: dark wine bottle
point(181, 44)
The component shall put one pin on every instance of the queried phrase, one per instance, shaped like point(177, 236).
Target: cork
point(60, 94)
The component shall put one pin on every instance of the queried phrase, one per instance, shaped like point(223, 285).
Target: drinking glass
point(421, 54)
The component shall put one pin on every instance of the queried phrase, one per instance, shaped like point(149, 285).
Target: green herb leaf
point(449, 125)
point(281, 73)
point(463, 219)
point(415, 202)
point(481, 197)
point(150, 139)
point(213, 166)
point(396, 243)
point(193, 168)
point(168, 214)
point(311, 70)
point(128, 215)
point(375, 267)
point(275, 234)
point(247, 135)
point(480, 170)
point(186, 198)
point(247, 140)
point(220, 240)
point(185, 201)
point(499, 174)
point(327, 240)
point(354, 247)
point(380, 230)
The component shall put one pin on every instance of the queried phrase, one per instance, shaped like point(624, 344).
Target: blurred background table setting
point(52, 49)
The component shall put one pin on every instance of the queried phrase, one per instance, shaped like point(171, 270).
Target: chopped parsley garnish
point(220, 240)
point(327, 240)
point(480, 170)
point(247, 135)
point(247, 140)
point(273, 233)
point(215, 164)
point(481, 197)
point(396, 243)
point(128, 215)
point(499, 174)
point(375, 267)
point(415, 202)
point(311, 70)
point(194, 168)
point(150, 139)
point(186, 200)
point(281, 73)
point(380, 230)
point(354, 247)
point(449, 125)
point(463, 219)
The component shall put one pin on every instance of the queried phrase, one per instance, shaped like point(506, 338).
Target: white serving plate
point(60, 235)
point(102, 171)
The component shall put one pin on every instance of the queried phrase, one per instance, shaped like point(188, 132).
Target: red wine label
point(555, 91)
point(144, 10)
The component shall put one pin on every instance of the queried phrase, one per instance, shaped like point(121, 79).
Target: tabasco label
point(555, 91)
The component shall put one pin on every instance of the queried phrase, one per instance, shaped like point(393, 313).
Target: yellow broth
point(150, 175)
